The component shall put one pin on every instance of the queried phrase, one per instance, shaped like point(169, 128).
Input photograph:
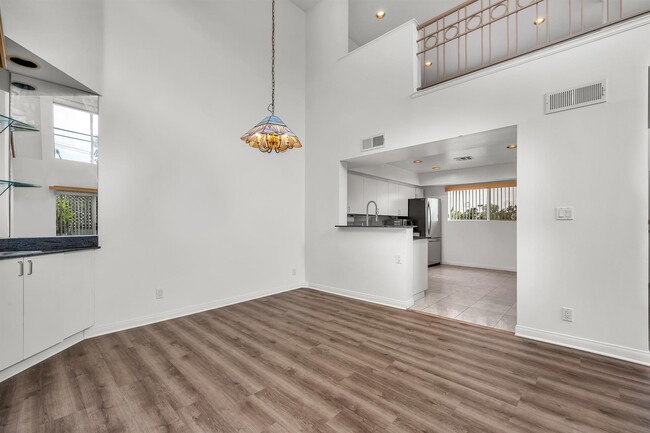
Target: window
point(76, 134)
point(494, 202)
point(76, 214)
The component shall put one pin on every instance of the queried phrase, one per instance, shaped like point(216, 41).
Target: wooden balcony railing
point(482, 33)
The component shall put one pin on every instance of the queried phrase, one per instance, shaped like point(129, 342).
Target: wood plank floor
point(305, 361)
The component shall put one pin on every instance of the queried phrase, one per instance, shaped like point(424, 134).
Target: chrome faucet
point(376, 212)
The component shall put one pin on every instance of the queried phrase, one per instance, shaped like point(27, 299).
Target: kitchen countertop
point(373, 227)
point(10, 248)
point(16, 254)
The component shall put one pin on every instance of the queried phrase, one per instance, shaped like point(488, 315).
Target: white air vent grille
point(372, 143)
point(590, 94)
point(463, 158)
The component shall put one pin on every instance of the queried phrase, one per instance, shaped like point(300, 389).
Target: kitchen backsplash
point(355, 219)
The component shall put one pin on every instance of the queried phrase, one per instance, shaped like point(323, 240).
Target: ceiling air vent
point(463, 158)
point(372, 143)
point(590, 94)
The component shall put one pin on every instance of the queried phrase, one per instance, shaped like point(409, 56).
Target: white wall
point(65, 33)
point(478, 244)
point(596, 264)
point(185, 205)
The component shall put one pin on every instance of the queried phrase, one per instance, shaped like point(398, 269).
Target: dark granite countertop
point(16, 254)
point(373, 227)
point(11, 248)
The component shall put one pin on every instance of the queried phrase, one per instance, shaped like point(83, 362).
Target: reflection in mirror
point(61, 158)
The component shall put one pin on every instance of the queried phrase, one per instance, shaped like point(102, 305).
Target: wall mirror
point(48, 168)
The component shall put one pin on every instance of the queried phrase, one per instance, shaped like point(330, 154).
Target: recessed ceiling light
point(539, 21)
point(23, 86)
point(512, 146)
point(436, 168)
point(380, 14)
point(23, 62)
point(428, 63)
point(417, 161)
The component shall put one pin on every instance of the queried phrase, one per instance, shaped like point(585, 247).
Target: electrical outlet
point(398, 259)
point(293, 272)
point(159, 293)
point(567, 314)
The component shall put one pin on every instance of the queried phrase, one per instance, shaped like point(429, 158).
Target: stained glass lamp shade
point(271, 134)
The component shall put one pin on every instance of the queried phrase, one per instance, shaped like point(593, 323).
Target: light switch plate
point(563, 213)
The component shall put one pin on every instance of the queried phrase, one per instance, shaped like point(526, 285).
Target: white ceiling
point(486, 148)
point(305, 5)
point(364, 27)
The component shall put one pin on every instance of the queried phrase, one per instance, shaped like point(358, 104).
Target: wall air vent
point(372, 143)
point(590, 94)
point(463, 158)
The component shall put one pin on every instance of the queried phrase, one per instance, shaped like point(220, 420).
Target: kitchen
point(456, 199)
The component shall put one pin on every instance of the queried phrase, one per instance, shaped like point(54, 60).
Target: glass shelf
point(15, 125)
point(6, 185)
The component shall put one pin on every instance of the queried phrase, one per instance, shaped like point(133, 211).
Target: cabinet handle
point(22, 268)
point(31, 267)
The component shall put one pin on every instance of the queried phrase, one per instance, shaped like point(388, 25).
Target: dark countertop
point(373, 227)
point(16, 254)
point(11, 248)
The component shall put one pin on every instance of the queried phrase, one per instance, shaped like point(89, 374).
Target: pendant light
point(272, 134)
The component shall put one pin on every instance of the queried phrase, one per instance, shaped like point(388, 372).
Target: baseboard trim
point(41, 356)
point(388, 302)
point(606, 349)
point(96, 331)
point(481, 266)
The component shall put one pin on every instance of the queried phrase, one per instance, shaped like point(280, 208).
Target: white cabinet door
point(369, 193)
point(382, 197)
point(419, 193)
point(355, 194)
point(393, 199)
point(78, 292)
point(405, 193)
point(11, 312)
point(43, 303)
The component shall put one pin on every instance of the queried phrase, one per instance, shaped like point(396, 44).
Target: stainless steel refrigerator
point(426, 215)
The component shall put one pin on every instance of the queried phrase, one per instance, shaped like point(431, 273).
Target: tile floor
point(480, 296)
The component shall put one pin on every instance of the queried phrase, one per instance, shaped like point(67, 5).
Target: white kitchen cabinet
point(419, 193)
point(43, 303)
point(382, 197)
point(393, 198)
point(369, 193)
point(355, 194)
point(404, 194)
point(11, 312)
point(78, 291)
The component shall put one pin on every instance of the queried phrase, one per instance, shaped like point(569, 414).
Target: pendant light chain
point(272, 106)
point(272, 134)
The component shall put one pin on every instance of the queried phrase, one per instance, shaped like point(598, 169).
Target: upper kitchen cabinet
point(381, 198)
point(355, 194)
point(391, 198)
point(375, 190)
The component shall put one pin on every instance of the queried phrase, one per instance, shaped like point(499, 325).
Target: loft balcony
point(481, 33)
